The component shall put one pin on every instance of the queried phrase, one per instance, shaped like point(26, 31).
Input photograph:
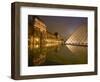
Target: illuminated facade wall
point(79, 37)
point(52, 38)
point(36, 31)
point(38, 34)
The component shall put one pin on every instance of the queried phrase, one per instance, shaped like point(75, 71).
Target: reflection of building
point(77, 49)
point(37, 56)
point(39, 60)
point(79, 37)
point(38, 34)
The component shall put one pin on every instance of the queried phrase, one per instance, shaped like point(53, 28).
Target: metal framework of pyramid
point(79, 37)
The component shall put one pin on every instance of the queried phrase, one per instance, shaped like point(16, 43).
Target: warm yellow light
point(51, 44)
point(37, 39)
point(48, 40)
point(36, 46)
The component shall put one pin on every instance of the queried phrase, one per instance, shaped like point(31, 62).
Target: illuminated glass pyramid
point(79, 37)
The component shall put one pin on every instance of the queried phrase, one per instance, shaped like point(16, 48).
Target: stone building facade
point(37, 33)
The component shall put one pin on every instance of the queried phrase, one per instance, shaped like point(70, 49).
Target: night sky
point(63, 25)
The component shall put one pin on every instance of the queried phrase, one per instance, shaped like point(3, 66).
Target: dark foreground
point(56, 55)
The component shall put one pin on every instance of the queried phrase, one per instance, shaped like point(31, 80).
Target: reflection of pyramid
point(79, 37)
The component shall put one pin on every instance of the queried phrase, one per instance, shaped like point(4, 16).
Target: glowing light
point(36, 46)
point(37, 39)
point(51, 44)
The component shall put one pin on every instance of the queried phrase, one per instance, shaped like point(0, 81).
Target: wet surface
point(56, 55)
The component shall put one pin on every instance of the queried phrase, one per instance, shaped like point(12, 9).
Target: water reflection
point(56, 54)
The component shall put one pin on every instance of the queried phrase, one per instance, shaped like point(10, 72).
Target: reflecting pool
point(56, 55)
